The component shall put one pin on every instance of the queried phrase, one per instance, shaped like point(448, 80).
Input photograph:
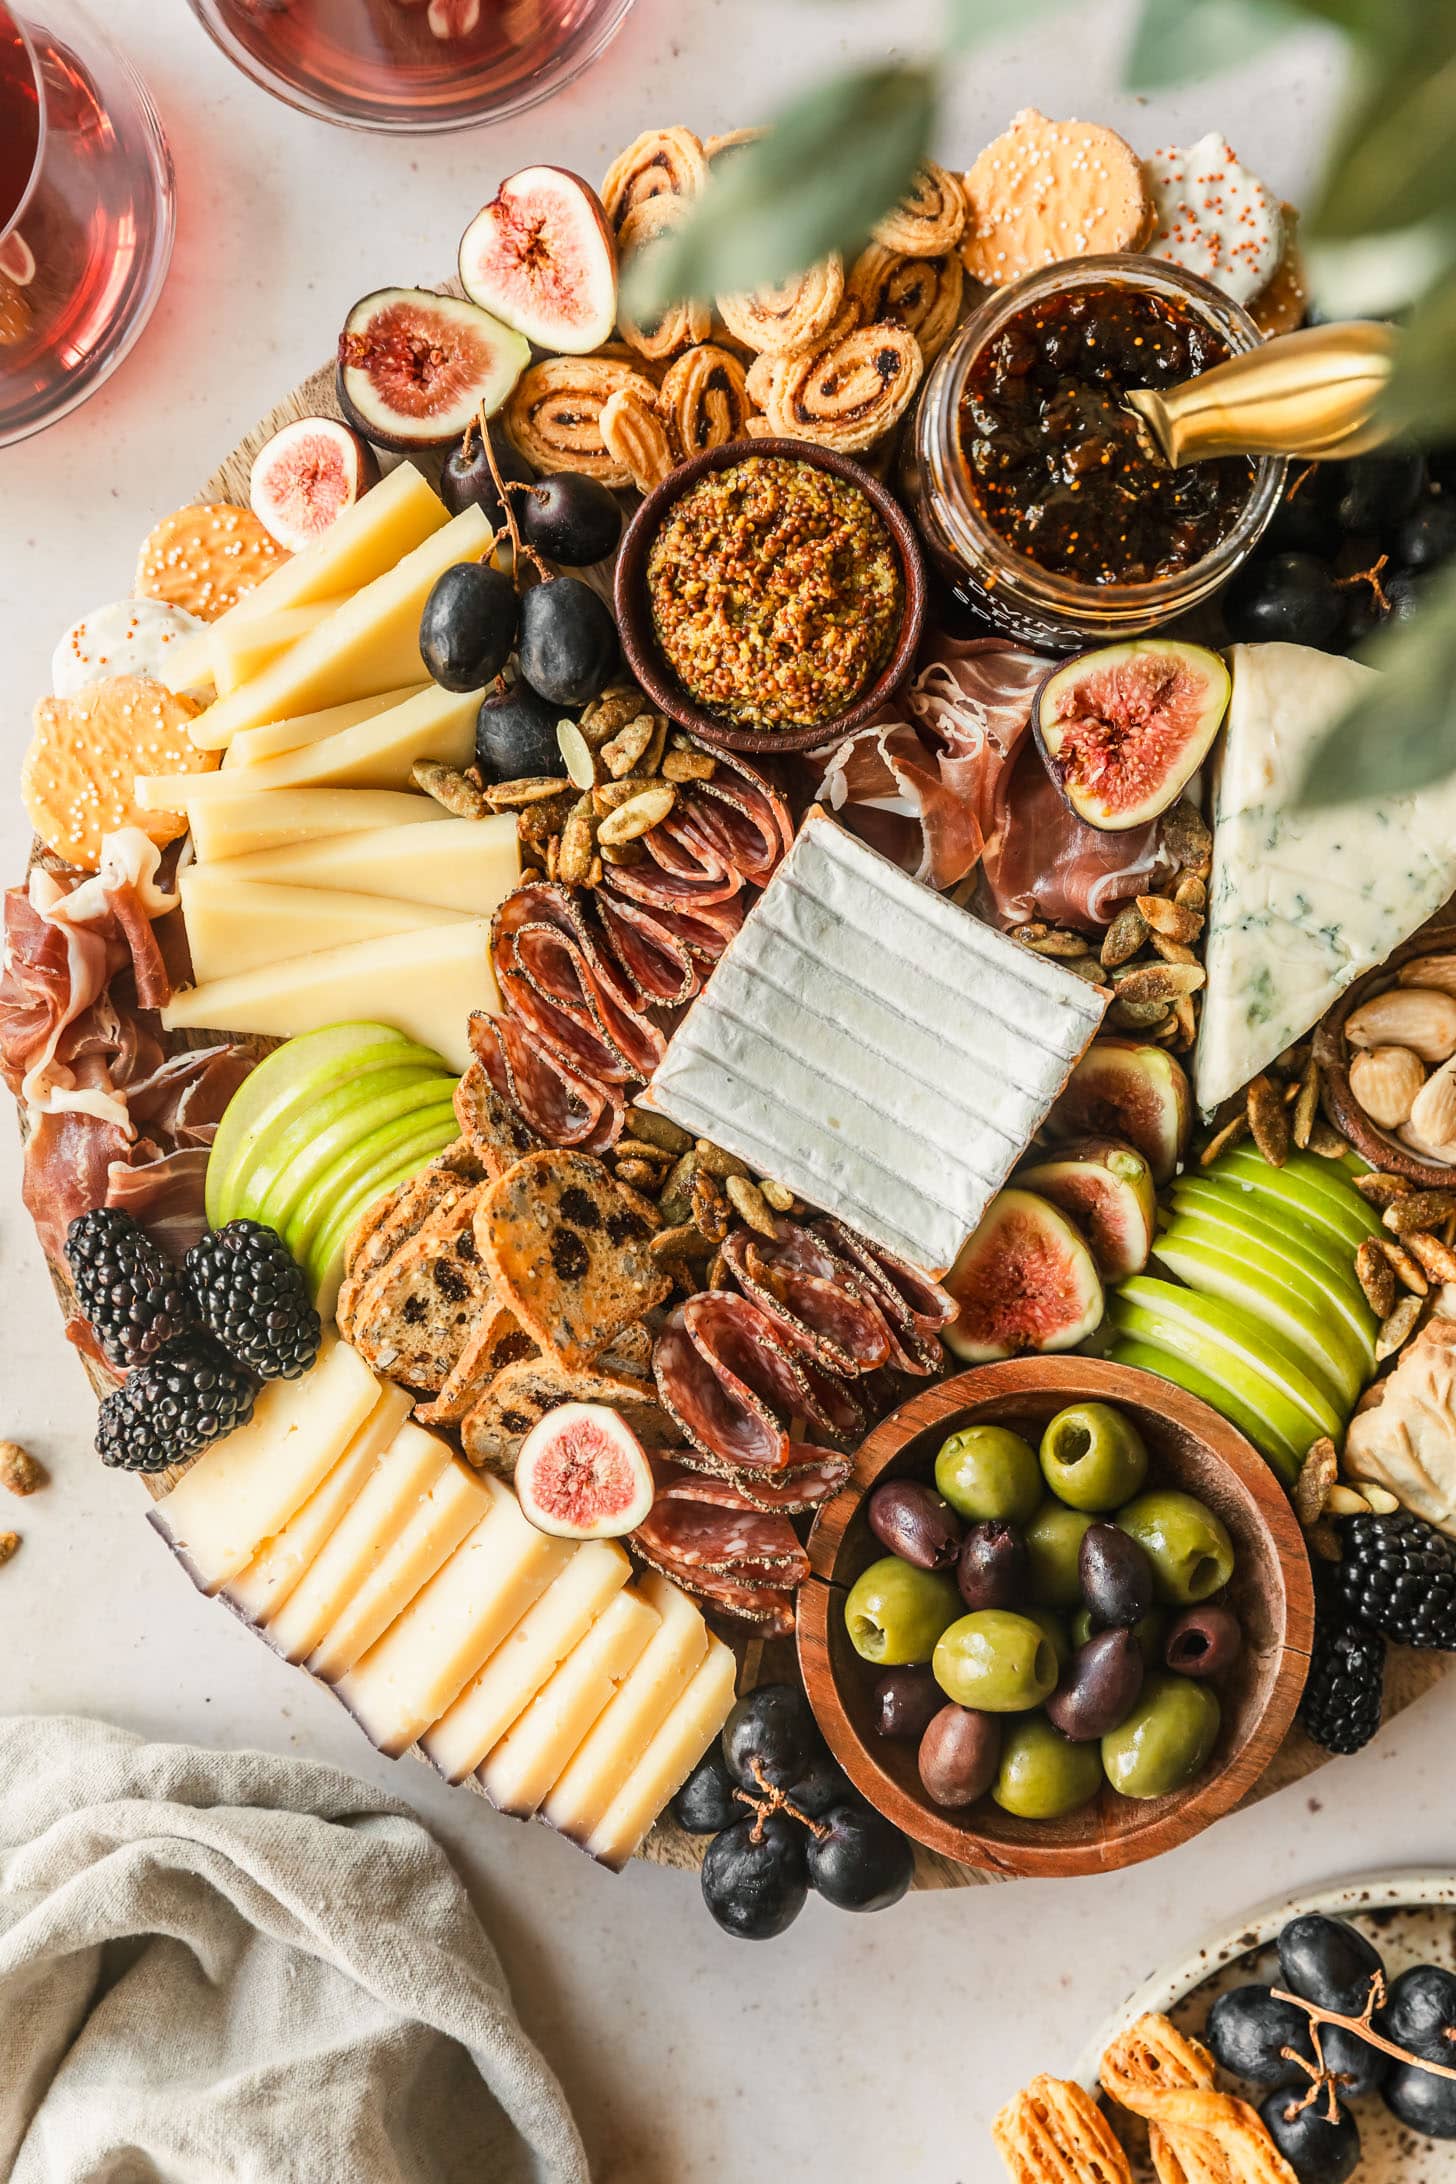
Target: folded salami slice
point(915, 1307)
point(561, 1105)
point(813, 1295)
point(799, 1487)
point(771, 1607)
point(554, 977)
point(757, 1545)
point(655, 958)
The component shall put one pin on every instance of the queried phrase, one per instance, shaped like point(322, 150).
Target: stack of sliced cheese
point(361, 1546)
point(324, 886)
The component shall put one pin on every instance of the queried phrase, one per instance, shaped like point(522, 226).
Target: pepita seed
point(1124, 937)
point(778, 1197)
point(637, 1174)
point(1268, 1123)
point(1306, 1104)
point(626, 747)
point(718, 1163)
point(1233, 1132)
point(658, 1130)
point(1407, 1269)
point(688, 765)
point(686, 1241)
point(1376, 1277)
point(1157, 981)
point(454, 790)
point(1317, 1474)
point(1173, 920)
point(516, 795)
point(1172, 951)
point(1345, 1502)
point(1055, 942)
point(1191, 893)
point(1395, 1330)
point(1378, 1190)
point(1419, 1210)
point(1381, 1500)
point(750, 1205)
point(1324, 1141)
point(1435, 1255)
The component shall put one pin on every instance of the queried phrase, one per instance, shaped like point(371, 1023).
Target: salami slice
point(799, 1487)
point(715, 1411)
point(755, 1544)
point(810, 1292)
point(768, 1606)
point(656, 960)
point(915, 1307)
point(561, 1105)
point(554, 977)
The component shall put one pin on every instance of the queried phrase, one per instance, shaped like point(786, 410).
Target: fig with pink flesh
point(1025, 1281)
point(540, 256)
point(1107, 1188)
point(582, 1474)
point(1128, 1089)
point(306, 476)
point(416, 368)
point(1123, 730)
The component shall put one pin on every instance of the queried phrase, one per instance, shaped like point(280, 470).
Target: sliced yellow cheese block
point(240, 826)
point(392, 518)
point(531, 1755)
point(370, 643)
point(453, 1506)
point(291, 735)
point(402, 1476)
point(233, 658)
point(607, 1756)
point(262, 1586)
point(527, 1659)
point(668, 1760)
point(374, 754)
point(464, 864)
point(237, 925)
point(425, 984)
point(413, 1673)
point(245, 1488)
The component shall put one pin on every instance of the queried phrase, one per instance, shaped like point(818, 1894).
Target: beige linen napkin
point(227, 1968)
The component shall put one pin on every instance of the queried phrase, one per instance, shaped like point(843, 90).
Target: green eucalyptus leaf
point(831, 165)
point(1403, 735)
point(1393, 162)
point(1421, 397)
point(972, 22)
point(1174, 40)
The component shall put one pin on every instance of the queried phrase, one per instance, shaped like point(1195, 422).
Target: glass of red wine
point(86, 210)
point(411, 65)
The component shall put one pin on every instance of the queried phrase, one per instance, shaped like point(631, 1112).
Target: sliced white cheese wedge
point(1300, 903)
point(245, 1488)
point(413, 1673)
point(392, 518)
point(453, 1506)
point(528, 1759)
point(252, 744)
point(370, 643)
point(463, 864)
point(240, 826)
point(239, 925)
point(668, 1760)
point(524, 1661)
point(425, 984)
point(262, 1586)
point(607, 1756)
point(374, 754)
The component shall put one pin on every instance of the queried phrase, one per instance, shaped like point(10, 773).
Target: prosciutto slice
point(1041, 861)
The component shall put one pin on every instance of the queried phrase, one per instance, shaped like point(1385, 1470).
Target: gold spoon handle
point(1313, 393)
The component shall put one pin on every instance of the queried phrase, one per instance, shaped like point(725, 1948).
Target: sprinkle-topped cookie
point(204, 558)
point(130, 637)
point(78, 777)
point(1046, 190)
point(1214, 217)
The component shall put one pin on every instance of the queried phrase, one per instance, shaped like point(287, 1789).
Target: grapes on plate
point(754, 1880)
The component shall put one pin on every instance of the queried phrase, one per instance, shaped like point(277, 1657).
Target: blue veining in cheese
point(1302, 902)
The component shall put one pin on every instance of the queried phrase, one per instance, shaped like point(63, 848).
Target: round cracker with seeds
point(205, 558)
point(78, 777)
point(1048, 190)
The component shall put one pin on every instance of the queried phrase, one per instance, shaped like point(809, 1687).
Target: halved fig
point(1025, 1281)
point(1123, 1088)
point(306, 476)
point(1123, 729)
point(416, 368)
point(1107, 1188)
point(540, 255)
point(582, 1474)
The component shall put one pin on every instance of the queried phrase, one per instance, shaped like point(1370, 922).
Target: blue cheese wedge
point(1302, 902)
point(874, 1048)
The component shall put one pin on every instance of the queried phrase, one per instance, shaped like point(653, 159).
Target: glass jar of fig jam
point(1027, 475)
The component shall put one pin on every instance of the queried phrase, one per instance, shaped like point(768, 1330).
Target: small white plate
point(1411, 1919)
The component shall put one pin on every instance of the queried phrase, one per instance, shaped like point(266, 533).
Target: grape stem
point(1322, 2078)
point(519, 550)
point(770, 1800)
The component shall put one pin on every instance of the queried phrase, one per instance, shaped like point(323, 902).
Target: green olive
point(1165, 1740)
point(1092, 1457)
point(1191, 1553)
point(1148, 1633)
point(996, 1662)
point(895, 1613)
point(1053, 1550)
point(1056, 1629)
point(988, 1471)
point(1042, 1774)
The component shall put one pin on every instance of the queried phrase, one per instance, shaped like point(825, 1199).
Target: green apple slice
point(393, 1126)
point(295, 1154)
point(294, 1072)
point(1275, 1295)
point(1255, 1425)
point(1338, 1294)
point(1246, 1384)
point(1304, 1189)
point(325, 1267)
point(1210, 1331)
point(1216, 1198)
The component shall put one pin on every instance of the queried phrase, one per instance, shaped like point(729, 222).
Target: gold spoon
point(1313, 393)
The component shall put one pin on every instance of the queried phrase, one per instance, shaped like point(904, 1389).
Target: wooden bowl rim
point(634, 622)
point(1165, 1825)
point(1383, 1150)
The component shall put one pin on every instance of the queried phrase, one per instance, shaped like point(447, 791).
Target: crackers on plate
point(78, 777)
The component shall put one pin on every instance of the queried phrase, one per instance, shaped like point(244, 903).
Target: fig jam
point(1055, 462)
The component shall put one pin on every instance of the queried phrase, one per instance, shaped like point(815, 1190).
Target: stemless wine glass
point(86, 210)
point(412, 66)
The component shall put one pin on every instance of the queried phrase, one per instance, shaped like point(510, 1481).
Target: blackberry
point(132, 1294)
point(1397, 1574)
point(1344, 1693)
point(249, 1291)
point(190, 1393)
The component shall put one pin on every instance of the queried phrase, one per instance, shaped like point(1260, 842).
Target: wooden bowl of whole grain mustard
point(770, 596)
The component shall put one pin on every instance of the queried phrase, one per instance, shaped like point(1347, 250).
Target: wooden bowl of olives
point(1060, 1617)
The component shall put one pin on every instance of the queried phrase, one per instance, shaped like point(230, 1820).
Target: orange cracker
point(1280, 308)
point(205, 558)
point(85, 754)
point(1048, 190)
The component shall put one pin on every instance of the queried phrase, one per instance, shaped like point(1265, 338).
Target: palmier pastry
point(705, 395)
point(659, 163)
point(845, 394)
point(786, 317)
point(930, 218)
point(636, 435)
point(555, 414)
point(681, 324)
point(921, 294)
point(1055, 2133)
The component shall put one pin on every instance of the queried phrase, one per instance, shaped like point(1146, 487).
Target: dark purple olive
point(907, 1700)
point(959, 1755)
point(992, 1569)
point(1203, 1641)
point(1115, 1575)
point(1099, 1687)
point(915, 1524)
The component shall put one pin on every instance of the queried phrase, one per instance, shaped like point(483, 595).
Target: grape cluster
point(784, 1818)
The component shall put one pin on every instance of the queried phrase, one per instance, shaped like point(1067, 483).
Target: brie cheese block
point(1300, 903)
point(530, 1756)
point(874, 1048)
